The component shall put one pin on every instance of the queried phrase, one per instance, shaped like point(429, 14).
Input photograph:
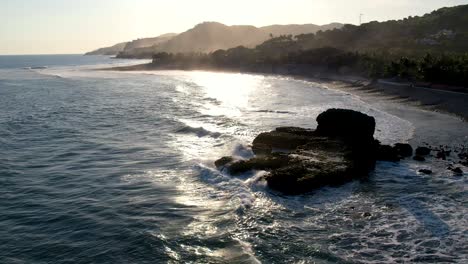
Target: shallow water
point(114, 167)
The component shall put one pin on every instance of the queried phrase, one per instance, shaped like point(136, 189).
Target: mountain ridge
point(210, 36)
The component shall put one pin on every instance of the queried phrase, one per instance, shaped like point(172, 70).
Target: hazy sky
point(76, 26)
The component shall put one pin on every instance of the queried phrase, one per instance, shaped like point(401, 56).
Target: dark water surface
point(111, 167)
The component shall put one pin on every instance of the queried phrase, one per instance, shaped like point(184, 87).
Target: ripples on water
point(110, 167)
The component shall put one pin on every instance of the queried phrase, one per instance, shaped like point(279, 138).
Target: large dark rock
point(320, 162)
point(299, 160)
point(346, 123)
point(282, 139)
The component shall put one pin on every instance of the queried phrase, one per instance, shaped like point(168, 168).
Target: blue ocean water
point(117, 167)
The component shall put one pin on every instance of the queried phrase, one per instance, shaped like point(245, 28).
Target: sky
point(78, 26)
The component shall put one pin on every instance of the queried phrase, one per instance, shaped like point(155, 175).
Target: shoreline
point(449, 102)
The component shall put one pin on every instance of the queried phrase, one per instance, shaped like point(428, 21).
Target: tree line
point(437, 68)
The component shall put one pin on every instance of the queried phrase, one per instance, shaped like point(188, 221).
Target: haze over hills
point(148, 42)
point(113, 50)
point(211, 36)
point(131, 45)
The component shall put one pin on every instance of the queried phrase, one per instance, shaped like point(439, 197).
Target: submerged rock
point(299, 160)
point(456, 170)
point(425, 171)
point(223, 162)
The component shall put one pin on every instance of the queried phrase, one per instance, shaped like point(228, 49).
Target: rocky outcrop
point(299, 160)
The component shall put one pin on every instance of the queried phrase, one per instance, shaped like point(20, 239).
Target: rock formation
point(299, 160)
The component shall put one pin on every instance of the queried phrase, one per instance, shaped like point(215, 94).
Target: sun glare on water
point(231, 91)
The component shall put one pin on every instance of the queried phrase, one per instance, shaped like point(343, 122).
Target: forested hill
point(443, 30)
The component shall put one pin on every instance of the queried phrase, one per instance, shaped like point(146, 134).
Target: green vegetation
point(442, 30)
point(448, 69)
point(430, 49)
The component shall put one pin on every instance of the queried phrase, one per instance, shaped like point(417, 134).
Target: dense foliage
point(413, 49)
point(442, 30)
point(449, 69)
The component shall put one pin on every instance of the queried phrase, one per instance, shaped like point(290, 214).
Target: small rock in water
point(223, 161)
point(366, 214)
point(441, 155)
point(423, 151)
point(425, 171)
point(419, 158)
point(403, 149)
point(387, 153)
point(457, 170)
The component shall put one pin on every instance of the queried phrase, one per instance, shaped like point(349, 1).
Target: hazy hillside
point(147, 42)
point(211, 36)
point(129, 47)
point(113, 50)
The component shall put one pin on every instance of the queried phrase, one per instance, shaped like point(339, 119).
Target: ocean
point(117, 167)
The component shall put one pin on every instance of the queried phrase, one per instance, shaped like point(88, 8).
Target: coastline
point(450, 102)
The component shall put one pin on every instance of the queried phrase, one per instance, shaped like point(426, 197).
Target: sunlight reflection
point(231, 90)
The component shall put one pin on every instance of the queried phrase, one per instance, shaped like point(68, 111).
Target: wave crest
point(199, 131)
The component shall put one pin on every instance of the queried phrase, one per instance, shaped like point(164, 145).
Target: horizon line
point(43, 54)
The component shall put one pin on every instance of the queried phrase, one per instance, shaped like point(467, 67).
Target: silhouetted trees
point(450, 69)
